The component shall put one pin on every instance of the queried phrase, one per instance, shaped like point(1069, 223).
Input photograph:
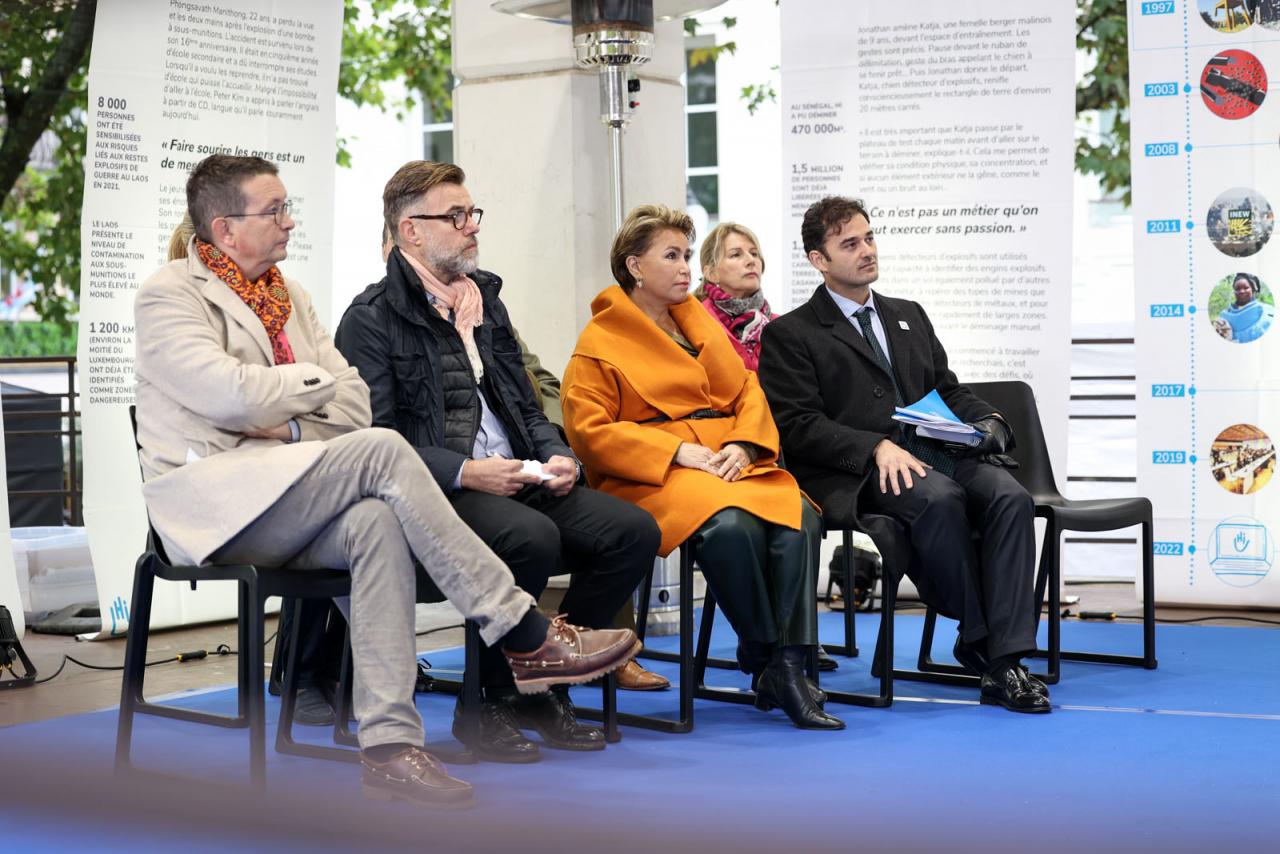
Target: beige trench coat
point(205, 376)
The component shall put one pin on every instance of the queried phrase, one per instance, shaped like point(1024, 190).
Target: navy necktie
point(925, 450)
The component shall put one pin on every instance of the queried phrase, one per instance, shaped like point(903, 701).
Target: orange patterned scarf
point(267, 297)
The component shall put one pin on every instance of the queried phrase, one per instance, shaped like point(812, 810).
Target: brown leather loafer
point(415, 776)
point(632, 677)
point(571, 655)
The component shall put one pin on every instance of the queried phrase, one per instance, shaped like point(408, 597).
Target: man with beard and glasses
point(436, 347)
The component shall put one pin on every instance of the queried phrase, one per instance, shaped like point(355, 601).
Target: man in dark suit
point(833, 371)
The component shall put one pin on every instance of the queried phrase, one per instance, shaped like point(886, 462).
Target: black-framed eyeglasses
point(280, 212)
point(458, 218)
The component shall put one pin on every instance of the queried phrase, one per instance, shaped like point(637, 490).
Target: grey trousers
point(370, 505)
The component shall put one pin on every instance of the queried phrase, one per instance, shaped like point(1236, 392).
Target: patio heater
point(610, 36)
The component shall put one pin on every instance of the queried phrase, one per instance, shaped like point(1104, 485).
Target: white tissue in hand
point(535, 467)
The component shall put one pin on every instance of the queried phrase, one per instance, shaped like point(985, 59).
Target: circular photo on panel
point(1239, 222)
point(1229, 16)
point(1233, 84)
point(1268, 14)
point(1241, 308)
point(1242, 459)
point(1240, 551)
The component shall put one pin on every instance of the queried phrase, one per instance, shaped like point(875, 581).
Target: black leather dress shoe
point(1012, 687)
point(552, 715)
point(825, 662)
point(495, 736)
point(310, 708)
point(975, 661)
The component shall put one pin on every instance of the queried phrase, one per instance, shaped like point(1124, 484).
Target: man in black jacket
point(435, 345)
point(833, 370)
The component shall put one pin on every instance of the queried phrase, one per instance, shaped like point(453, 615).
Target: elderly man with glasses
point(250, 427)
point(435, 344)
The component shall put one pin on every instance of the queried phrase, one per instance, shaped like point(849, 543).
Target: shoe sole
point(991, 701)
point(460, 801)
point(644, 688)
point(543, 684)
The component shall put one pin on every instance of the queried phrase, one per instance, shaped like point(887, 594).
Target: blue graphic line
point(1191, 287)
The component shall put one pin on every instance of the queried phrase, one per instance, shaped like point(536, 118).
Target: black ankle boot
point(819, 696)
point(782, 684)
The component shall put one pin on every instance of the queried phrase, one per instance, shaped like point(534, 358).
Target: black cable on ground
point(194, 655)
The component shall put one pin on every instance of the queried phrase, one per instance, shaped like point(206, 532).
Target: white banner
point(10, 594)
point(170, 82)
point(953, 122)
point(1205, 180)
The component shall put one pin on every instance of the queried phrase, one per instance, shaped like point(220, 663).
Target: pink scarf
point(462, 297)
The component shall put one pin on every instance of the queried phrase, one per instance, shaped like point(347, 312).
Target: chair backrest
point(153, 539)
point(1016, 401)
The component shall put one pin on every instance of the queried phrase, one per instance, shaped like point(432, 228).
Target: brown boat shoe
point(571, 655)
point(415, 776)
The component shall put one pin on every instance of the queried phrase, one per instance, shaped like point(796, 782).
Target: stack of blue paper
point(933, 419)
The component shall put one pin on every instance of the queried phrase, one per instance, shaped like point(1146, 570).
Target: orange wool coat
point(626, 370)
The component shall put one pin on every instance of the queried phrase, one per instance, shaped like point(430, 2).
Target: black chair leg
point(850, 646)
point(1148, 658)
point(882, 663)
point(285, 742)
point(1148, 597)
point(256, 691)
point(684, 721)
point(135, 659)
point(342, 733)
point(701, 661)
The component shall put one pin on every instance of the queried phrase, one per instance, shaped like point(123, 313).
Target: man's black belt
point(696, 415)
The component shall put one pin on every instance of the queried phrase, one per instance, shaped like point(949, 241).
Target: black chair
point(254, 586)
point(1017, 403)
point(683, 722)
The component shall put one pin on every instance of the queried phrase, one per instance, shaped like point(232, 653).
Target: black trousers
point(764, 578)
point(320, 638)
point(606, 544)
point(989, 586)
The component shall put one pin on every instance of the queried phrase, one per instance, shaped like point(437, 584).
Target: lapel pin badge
point(903, 324)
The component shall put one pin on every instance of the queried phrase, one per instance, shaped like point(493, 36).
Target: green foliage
point(407, 41)
point(397, 41)
point(1102, 32)
point(42, 338)
point(40, 236)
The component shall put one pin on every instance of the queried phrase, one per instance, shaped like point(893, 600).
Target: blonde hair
point(637, 233)
point(713, 249)
point(180, 238)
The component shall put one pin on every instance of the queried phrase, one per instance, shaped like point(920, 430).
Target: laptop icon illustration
point(1241, 548)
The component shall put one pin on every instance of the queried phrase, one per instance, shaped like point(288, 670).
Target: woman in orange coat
point(661, 411)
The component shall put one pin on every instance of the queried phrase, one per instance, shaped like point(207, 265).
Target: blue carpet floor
point(1186, 757)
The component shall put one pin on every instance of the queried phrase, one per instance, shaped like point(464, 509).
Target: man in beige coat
point(256, 448)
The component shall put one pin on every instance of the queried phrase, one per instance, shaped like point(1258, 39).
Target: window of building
point(437, 134)
point(702, 159)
